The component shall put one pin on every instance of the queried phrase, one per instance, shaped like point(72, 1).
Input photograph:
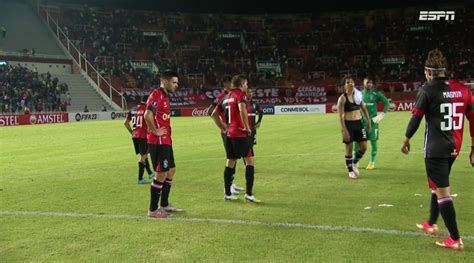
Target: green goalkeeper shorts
point(374, 133)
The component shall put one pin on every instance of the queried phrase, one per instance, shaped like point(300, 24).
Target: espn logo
point(436, 15)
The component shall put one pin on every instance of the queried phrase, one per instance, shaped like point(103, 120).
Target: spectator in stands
point(26, 110)
point(103, 108)
point(2, 103)
point(86, 109)
point(4, 31)
point(55, 82)
point(6, 104)
point(68, 98)
point(63, 106)
point(19, 85)
point(39, 106)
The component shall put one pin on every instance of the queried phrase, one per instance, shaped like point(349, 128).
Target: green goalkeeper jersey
point(371, 99)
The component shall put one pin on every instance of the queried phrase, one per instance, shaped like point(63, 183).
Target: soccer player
point(227, 83)
point(444, 103)
point(253, 109)
point(238, 144)
point(372, 97)
point(157, 117)
point(139, 133)
point(349, 107)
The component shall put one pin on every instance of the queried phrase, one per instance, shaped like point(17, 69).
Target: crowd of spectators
point(23, 90)
point(391, 44)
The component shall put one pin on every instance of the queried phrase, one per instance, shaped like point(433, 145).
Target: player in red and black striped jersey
point(227, 83)
point(444, 104)
point(238, 144)
point(157, 117)
point(139, 134)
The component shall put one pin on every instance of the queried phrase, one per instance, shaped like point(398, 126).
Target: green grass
point(89, 168)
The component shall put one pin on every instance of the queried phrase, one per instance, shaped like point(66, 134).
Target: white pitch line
point(227, 222)
point(287, 155)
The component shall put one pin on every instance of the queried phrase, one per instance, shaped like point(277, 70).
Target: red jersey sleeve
point(470, 113)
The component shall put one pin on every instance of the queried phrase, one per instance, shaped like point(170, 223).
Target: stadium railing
point(82, 63)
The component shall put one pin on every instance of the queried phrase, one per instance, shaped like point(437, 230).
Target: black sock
point(227, 180)
point(141, 168)
point(446, 208)
point(165, 193)
point(155, 190)
point(358, 156)
point(249, 177)
point(434, 209)
point(147, 166)
point(233, 173)
point(349, 163)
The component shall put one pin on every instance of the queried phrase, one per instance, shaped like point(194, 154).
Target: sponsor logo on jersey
point(165, 116)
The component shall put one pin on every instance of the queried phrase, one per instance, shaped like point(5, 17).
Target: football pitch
point(69, 192)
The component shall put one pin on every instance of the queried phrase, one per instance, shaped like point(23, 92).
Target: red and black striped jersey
point(136, 115)
point(159, 103)
point(230, 106)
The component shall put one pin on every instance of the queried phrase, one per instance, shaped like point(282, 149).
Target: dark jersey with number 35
point(444, 103)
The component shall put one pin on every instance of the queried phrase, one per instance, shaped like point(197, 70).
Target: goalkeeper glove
point(378, 118)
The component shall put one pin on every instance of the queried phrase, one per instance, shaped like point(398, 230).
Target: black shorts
point(254, 137)
point(224, 139)
point(240, 147)
point(438, 170)
point(356, 130)
point(141, 146)
point(162, 157)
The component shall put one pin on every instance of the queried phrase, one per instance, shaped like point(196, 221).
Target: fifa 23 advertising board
point(97, 116)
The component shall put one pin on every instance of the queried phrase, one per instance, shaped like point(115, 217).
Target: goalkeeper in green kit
point(372, 98)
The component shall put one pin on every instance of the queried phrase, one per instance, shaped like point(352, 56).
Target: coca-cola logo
point(200, 112)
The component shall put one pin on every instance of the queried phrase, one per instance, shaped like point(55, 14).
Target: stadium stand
point(21, 87)
point(386, 43)
point(29, 41)
point(128, 47)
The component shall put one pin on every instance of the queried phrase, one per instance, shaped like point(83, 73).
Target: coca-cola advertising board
point(195, 112)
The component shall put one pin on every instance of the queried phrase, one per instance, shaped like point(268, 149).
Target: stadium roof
point(261, 6)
